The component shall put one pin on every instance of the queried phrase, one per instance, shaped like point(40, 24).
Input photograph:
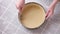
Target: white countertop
point(9, 23)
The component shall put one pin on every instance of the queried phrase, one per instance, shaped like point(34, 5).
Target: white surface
point(9, 23)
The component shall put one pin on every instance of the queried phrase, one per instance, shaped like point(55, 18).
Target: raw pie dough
point(33, 15)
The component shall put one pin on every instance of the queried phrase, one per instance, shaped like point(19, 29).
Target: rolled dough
point(33, 15)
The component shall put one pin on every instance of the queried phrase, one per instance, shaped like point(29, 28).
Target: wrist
point(53, 4)
point(55, 1)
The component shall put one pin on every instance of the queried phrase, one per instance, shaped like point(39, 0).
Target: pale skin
point(50, 10)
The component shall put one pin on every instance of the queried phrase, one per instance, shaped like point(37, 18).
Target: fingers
point(49, 14)
point(20, 3)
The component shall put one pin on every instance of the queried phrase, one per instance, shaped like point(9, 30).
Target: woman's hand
point(49, 12)
point(20, 4)
point(51, 8)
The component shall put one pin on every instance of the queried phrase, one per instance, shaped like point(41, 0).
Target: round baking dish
point(32, 16)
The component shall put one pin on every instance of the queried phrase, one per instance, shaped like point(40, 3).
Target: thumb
point(47, 14)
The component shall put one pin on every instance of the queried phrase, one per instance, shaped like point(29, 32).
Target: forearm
point(53, 4)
